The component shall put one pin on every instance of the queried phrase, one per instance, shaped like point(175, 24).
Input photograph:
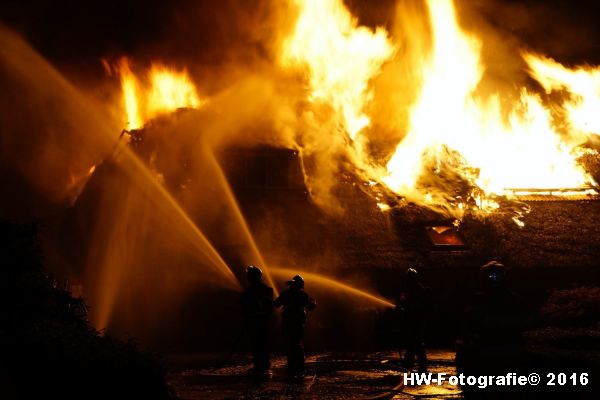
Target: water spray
point(335, 284)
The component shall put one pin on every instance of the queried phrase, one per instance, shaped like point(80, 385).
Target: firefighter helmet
point(254, 273)
point(493, 272)
point(296, 281)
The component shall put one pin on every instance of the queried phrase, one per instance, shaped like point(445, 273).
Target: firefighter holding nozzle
point(257, 309)
point(295, 302)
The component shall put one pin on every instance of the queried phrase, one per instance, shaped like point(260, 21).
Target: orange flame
point(340, 58)
point(451, 126)
point(524, 151)
point(165, 91)
point(582, 83)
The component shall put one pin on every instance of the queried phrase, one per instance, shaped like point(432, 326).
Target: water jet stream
point(64, 133)
point(240, 219)
point(323, 280)
point(163, 199)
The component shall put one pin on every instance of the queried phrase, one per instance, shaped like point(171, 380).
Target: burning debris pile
point(464, 145)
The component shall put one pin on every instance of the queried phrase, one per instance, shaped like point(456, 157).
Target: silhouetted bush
point(47, 351)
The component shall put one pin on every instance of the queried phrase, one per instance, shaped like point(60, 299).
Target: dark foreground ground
point(330, 376)
point(379, 375)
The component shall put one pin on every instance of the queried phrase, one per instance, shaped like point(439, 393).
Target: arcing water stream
point(332, 284)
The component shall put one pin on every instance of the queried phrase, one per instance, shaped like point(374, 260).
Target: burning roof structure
point(469, 143)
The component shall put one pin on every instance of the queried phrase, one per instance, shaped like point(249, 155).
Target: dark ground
point(331, 376)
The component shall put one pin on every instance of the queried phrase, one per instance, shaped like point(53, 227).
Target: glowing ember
point(165, 91)
point(383, 206)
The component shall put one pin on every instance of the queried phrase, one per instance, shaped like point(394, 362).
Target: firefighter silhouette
point(295, 302)
point(415, 306)
point(257, 308)
point(491, 339)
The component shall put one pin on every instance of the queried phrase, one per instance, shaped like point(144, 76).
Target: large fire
point(340, 58)
point(521, 151)
point(451, 125)
point(455, 133)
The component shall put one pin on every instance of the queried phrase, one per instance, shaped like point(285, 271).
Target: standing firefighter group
point(258, 305)
point(491, 326)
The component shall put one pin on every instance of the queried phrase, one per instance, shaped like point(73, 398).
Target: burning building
point(462, 128)
point(328, 136)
